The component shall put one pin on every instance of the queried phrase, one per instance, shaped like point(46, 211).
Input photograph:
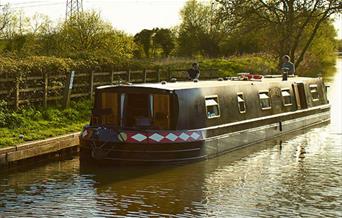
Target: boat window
point(314, 92)
point(137, 112)
point(212, 105)
point(286, 97)
point(265, 101)
point(241, 103)
point(106, 111)
point(147, 111)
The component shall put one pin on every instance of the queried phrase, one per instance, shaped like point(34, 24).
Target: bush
point(52, 114)
point(9, 119)
point(31, 114)
point(71, 114)
point(83, 108)
point(15, 120)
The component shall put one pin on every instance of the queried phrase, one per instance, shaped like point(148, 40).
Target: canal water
point(296, 175)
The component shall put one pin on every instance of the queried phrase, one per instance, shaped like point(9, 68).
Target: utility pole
point(73, 7)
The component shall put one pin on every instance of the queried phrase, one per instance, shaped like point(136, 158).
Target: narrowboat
point(177, 122)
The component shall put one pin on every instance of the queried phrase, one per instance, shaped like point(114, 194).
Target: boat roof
point(204, 84)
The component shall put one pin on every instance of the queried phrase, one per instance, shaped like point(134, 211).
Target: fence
point(44, 88)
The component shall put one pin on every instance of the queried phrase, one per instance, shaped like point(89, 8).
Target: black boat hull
point(210, 146)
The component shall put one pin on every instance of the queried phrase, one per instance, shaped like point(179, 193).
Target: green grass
point(257, 64)
point(254, 63)
point(40, 123)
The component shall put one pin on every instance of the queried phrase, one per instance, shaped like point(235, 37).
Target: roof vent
point(220, 79)
point(173, 80)
point(195, 80)
point(163, 82)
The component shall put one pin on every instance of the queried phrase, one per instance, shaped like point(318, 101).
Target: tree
point(320, 57)
point(194, 25)
point(201, 31)
point(47, 34)
point(84, 32)
point(87, 35)
point(242, 42)
point(17, 37)
point(16, 24)
point(293, 24)
point(4, 16)
point(339, 45)
point(165, 39)
point(24, 36)
point(40, 24)
point(117, 46)
point(144, 38)
point(155, 41)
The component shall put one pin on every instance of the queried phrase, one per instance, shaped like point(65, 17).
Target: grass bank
point(31, 123)
point(252, 63)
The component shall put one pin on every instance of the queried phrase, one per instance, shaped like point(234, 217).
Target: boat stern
point(145, 146)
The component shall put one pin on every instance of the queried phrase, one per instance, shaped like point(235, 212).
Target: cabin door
point(299, 91)
point(137, 111)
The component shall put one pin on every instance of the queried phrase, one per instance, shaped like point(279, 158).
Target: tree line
point(219, 28)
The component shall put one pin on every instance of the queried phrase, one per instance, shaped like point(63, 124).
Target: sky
point(130, 16)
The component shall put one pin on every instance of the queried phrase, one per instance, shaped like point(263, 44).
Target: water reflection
point(335, 96)
point(295, 175)
point(152, 190)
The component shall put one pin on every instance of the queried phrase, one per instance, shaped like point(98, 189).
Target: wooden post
point(68, 89)
point(144, 75)
point(158, 75)
point(91, 85)
point(128, 76)
point(46, 85)
point(17, 91)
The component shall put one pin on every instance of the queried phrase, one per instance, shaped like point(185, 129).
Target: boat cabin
point(195, 105)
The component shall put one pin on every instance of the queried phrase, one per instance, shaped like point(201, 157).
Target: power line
point(38, 5)
point(29, 4)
